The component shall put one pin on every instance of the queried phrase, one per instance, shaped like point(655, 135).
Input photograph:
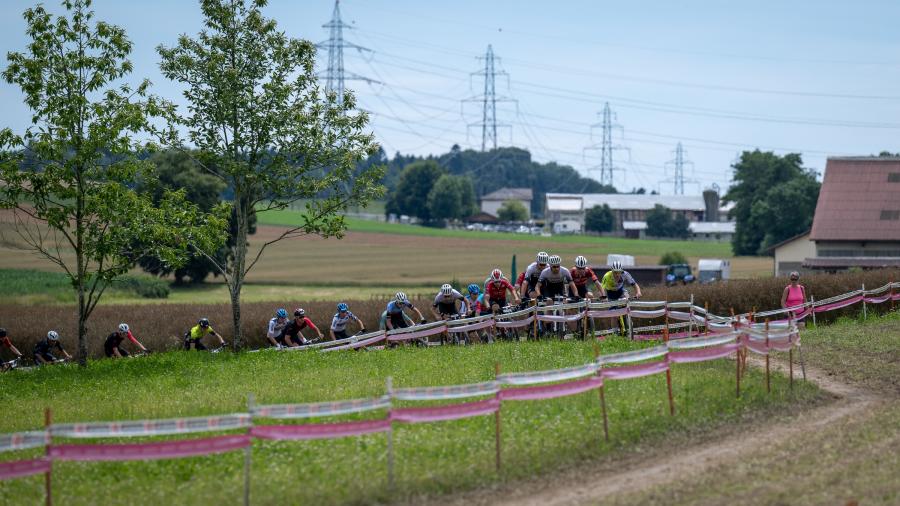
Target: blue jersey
point(396, 307)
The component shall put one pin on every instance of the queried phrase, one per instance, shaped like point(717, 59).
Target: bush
point(672, 257)
point(145, 286)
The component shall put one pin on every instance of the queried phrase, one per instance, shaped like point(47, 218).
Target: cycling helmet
point(123, 327)
point(343, 307)
point(542, 257)
point(53, 335)
point(400, 297)
point(580, 262)
point(204, 322)
point(2, 332)
point(617, 266)
point(299, 312)
point(474, 289)
point(446, 289)
point(555, 261)
point(496, 275)
point(281, 313)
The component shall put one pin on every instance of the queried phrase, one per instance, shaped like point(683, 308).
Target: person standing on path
point(794, 294)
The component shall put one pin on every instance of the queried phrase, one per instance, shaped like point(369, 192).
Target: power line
point(335, 75)
point(678, 164)
point(606, 146)
point(488, 100)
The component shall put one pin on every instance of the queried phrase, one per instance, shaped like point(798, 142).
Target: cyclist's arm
point(64, 352)
point(512, 290)
point(331, 334)
point(419, 313)
point(464, 306)
point(221, 340)
point(313, 326)
point(14, 349)
point(135, 341)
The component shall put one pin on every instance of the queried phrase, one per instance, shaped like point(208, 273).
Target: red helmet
point(496, 275)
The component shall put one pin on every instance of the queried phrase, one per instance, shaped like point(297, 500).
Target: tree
point(599, 219)
point(759, 191)
point(512, 210)
point(451, 198)
point(76, 207)
point(411, 195)
point(261, 123)
point(176, 170)
point(680, 227)
point(672, 258)
point(659, 221)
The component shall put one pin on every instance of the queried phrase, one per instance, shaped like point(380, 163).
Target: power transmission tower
point(335, 75)
point(489, 99)
point(606, 146)
point(678, 165)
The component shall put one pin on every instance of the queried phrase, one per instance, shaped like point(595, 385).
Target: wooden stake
point(865, 315)
point(48, 476)
point(691, 319)
point(706, 317)
point(891, 288)
point(603, 410)
point(813, 308)
point(737, 360)
point(768, 388)
point(791, 366)
point(584, 320)
point(248, 455)
point(534, 324)
point(497, 437)
point(669, 370)
point(390, 440)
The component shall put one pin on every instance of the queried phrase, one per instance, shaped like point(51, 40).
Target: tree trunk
point(82, 325)
point(242, 211)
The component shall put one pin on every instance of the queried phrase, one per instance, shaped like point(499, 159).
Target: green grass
point(42, 287)
point(538, 436)
point(620, 245)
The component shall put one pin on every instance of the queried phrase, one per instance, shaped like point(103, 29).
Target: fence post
point(669, 368)
point(768, 388)
point(534, 324)
point(706, 318)
point(497, 435)
point(390, 438)
point(737, 358)
point(691, 320)
point(248, 453)
point(628, 319)
point(891, 288)
point(584, 320)
point(864, 301)
point(602, 399)
point(812, 307)
point(48, 476)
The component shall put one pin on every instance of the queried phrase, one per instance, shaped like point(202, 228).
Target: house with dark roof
point(857, 220)
point(491, 203)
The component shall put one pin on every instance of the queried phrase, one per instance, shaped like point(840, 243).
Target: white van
point(625, 260)
point(713, 269)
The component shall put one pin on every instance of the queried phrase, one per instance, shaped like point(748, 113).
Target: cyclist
point(4, 341)
point(294, 329)
point(475, 301)
point(555, 281)
point(276, 325)
point(583, 276)
point(532, 274)
point(612, 286)
point(495, 288)
point(42, 349)
point(396, 319)
point(113, 344)
point(192, 337)
point(445, 303)
point(339, 323)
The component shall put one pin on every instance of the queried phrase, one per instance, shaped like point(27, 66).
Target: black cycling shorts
point(582, 291)
point(448, 309)
point(109, 351)
point(196, 342)
point(551, 290)
point(48, 357)
point(615, 294)
point(340, 334)
point(398, 321)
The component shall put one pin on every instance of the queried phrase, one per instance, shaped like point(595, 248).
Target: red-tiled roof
point(847, 262)
point(854, 194)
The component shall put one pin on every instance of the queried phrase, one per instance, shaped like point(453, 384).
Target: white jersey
point(563, 276)
point(339, 323)
point(275, 327)
point(450, 300)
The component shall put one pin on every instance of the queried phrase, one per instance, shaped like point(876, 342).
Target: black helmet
point(204, 322)
point(2, 332)
point(299, 312)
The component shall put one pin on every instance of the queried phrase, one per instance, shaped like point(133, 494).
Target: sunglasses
point(795, 279)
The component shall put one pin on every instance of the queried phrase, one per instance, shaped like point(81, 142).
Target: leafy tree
point(672, 257)
point(599, 219)
point(512, 210)
point(659, 221)
point(77, 208)
point(680, 227)
point(177, 170)
point(760, 187)
point(411, 195)
point(262, 124)
point(451, 198)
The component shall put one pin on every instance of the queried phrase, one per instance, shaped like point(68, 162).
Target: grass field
point(430, 458)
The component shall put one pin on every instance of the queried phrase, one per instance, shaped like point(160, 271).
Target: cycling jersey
point(197, 332)
point(496, 291)
point(396, 307)
point(520, 279)
point(114, 340)
point(339, 323)
point(581, 277)
point(476, 305)
point(43, 347)
point(562, 276)
point(609, 282)
point(533, 274)
point(6, 342)
point(294, 327)
point(275, 327)
point(446, 304)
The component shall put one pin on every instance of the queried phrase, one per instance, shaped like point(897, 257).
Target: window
point(890, 214)
point(894, 177)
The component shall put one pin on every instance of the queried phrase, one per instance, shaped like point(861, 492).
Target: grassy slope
point(855, 460)
point(431, 458)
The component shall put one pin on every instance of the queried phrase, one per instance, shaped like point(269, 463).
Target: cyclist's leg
point(199, 346)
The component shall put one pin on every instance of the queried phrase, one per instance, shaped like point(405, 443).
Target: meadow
point(431, 459)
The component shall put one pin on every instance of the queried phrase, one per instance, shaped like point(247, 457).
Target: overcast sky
point(816, 77)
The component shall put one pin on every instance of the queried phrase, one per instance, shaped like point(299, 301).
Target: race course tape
point(703, 354)
point(22, 468)
point(551, 376)
point(321, 409)
point(445, 413)
point(446, 392)
point(551, 391)
point(634, 371)
point(320, 430)
point(148, 451)
point(151, 427)
point(24, 440)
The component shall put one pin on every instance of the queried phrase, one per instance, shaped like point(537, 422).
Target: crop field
point(437, 458)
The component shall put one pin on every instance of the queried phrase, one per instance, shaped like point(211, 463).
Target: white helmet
point(555, 261)
point(53, 335)
point(446, 289)
point(617, 266)
point(123, 327)
point(496, 275)
point(580, 262)
point(400, 297)
point(542, 257)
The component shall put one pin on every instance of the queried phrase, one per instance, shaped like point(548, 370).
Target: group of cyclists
point(544, 279)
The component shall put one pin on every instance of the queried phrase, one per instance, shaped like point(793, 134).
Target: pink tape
point(560, 318)
point(320, 430)
point(660, 337)
point(878, 300)
point(656, 313)
point(634, 371)
point(149, 451)
point(514, 324)
point(358, 344)
point(415, 335)
point(474, 326)
point(839, 304)
point(551, 391)
point(22, 468)
point(701, 354)
point(611, 313)
point(442, 413)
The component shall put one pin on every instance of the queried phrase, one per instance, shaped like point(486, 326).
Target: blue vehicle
point(679, 273)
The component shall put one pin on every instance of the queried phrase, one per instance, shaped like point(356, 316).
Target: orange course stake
point(669, 369)
point(768, 388)
point(497, 439)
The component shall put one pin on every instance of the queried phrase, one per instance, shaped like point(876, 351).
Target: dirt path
point(655, 468)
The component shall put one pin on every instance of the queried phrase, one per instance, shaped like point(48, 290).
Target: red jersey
point(497, 291)
point(6, 342)
point(520, 279)
point(581, 276)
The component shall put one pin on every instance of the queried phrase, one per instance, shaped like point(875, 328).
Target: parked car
point(679, 273)
point(710, 270)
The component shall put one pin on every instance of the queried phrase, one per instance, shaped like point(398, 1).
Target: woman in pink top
point(794, 294)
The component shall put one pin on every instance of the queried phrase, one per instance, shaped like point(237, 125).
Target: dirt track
point(664, 465)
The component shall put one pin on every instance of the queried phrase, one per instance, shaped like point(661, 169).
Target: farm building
point(791, 253)
point(491, 203)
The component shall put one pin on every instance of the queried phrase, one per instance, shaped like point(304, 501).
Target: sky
point(820, 78)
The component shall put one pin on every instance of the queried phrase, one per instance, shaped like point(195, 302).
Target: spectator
point(794, 294)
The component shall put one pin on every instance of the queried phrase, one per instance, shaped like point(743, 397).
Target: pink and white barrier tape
point(838, 305)
point(444, 413)
point(23, 440)
point(406, 336)
point(560, 318)
point(151, 427)
point(446, 392)
point(702, 354)
point(22, 468)
point(514, 324)
point(701, 342)
point(660, 337)
point(609, 313)
point(551, 376)
point(647, 314)
point(633, 356)
point(149, 451)
point(472, 326)
point(320, 430)
point(321, 409)
point(551, 391)
point(634, 371)
point(362, 343)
